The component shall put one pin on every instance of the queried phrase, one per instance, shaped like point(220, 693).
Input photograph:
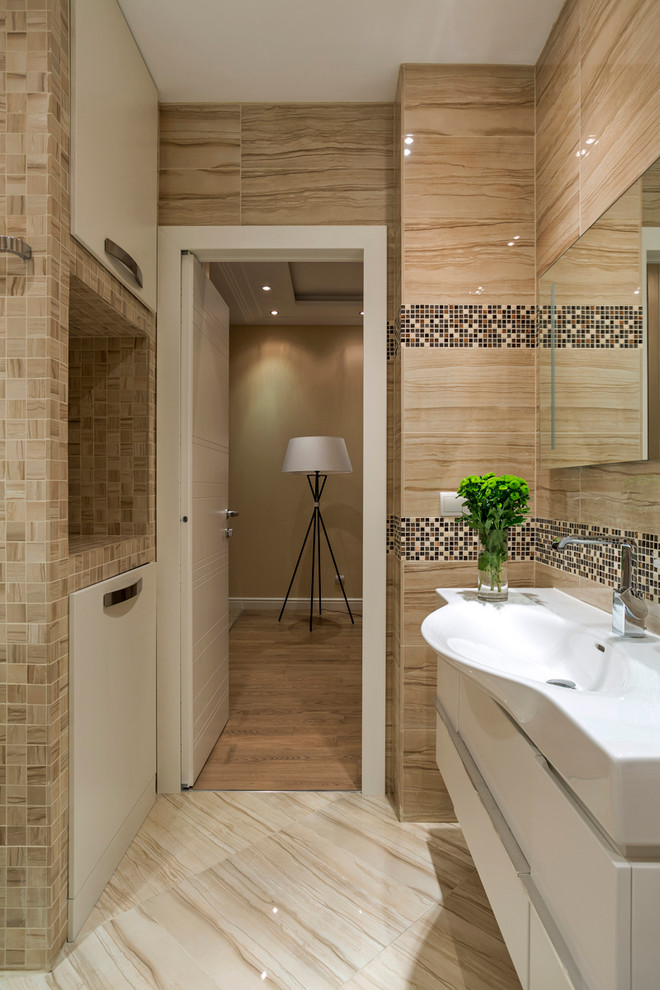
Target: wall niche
point(109, 417)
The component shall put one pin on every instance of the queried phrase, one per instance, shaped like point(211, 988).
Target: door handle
point(122, 594)
point(229, 532)
point(230, 514)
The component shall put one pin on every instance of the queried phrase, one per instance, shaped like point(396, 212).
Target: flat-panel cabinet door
point(114, 147)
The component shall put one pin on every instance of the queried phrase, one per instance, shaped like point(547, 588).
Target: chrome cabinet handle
point(15, 245)
point(122, 594)
point(125, 259)
point(230, 514)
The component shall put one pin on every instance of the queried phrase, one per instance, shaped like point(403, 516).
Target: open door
point(205, 526)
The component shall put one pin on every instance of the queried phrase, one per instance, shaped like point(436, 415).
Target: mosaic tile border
point(446, 539)
point(471, 325)
point(450, 539)
point(600, 564)
point(393, 339)
point(592, 327)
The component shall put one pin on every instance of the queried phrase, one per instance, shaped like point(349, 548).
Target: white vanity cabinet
point(114, 147)
point(575, 914)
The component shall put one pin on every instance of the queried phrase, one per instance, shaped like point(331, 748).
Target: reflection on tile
point(447, 261)
point(441, 945)
point(467, 178)
point(620, 106)
point(184, 834)
point(557, 138)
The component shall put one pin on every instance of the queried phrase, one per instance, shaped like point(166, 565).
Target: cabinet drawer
point(448, 686)
point(498, 874)
point(584, 883)
point(545, 969)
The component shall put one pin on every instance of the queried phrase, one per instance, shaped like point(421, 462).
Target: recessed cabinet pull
point(122, 594)
point(125, 259)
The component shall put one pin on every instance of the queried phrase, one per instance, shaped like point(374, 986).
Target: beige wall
point(597, 76)
point(463, 378)
point(284, 382)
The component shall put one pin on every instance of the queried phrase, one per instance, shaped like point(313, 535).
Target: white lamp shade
point(328, 455)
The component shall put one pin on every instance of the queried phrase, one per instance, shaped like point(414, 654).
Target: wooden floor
point(294, 705)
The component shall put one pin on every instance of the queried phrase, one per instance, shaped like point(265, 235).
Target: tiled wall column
point(33, 792)
point(466, 354)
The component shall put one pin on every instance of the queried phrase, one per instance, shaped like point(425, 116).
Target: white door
point(204, 504)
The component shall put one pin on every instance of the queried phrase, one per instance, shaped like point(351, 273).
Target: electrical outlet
point(450, 504)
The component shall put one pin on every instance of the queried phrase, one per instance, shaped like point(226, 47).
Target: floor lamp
point(317, 457)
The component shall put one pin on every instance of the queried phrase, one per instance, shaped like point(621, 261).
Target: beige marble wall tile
point(651, 196)
point(199, 179)
point(317, 163)
point(476, 390)
point(469, 178)
point(558, 494)
point(448, 261)
point(557, 138)
point(623, 495)
point(620, 104)
point(435, 463)
point(468, 100)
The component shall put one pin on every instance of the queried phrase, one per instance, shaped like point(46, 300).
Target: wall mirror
point(599, 359)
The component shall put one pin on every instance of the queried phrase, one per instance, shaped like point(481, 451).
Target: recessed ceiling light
point(274, 312)
point(266, 288)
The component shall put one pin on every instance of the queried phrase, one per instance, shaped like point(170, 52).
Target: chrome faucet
point(628, 611)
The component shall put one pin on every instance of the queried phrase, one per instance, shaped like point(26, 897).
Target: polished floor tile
point(296, 891)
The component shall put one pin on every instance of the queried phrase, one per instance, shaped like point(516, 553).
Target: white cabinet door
point(114, 144)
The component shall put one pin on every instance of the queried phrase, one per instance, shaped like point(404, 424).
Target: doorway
point(366, 244)
point(295, 369)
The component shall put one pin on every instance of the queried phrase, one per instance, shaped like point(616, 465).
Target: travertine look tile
point(626, 496)
point(200, 153)
point(435, 463)
point(448, 261)
point(467, 178)
point(455, 390)
point(316, 163)
point(558, 494)
point(620, 105)
point(557, 138)
point(432, 946)
point(468, 100)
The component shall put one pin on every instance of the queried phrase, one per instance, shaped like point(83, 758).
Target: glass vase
point(492, 578)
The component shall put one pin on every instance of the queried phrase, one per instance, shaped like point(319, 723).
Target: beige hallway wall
point(285, 382)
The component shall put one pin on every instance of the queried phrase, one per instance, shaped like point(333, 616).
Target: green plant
point(492, 504)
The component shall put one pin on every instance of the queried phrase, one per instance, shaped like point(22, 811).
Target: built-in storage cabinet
point(573, 911)
point(114, 147)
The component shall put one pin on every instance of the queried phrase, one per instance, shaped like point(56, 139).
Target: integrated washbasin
point(599, 727)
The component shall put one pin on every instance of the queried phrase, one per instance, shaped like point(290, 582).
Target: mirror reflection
point(599, 360)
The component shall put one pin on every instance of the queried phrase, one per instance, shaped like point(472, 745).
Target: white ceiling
point(323, 50)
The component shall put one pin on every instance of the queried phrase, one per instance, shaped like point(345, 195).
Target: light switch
point(450, 504)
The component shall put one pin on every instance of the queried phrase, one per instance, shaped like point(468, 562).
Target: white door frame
point(366, 244)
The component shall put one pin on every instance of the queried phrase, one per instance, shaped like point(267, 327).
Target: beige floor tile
point(440, 951)
point(132, 952)
point(184, 834)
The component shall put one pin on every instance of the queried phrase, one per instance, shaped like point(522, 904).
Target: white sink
point(602, 735)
